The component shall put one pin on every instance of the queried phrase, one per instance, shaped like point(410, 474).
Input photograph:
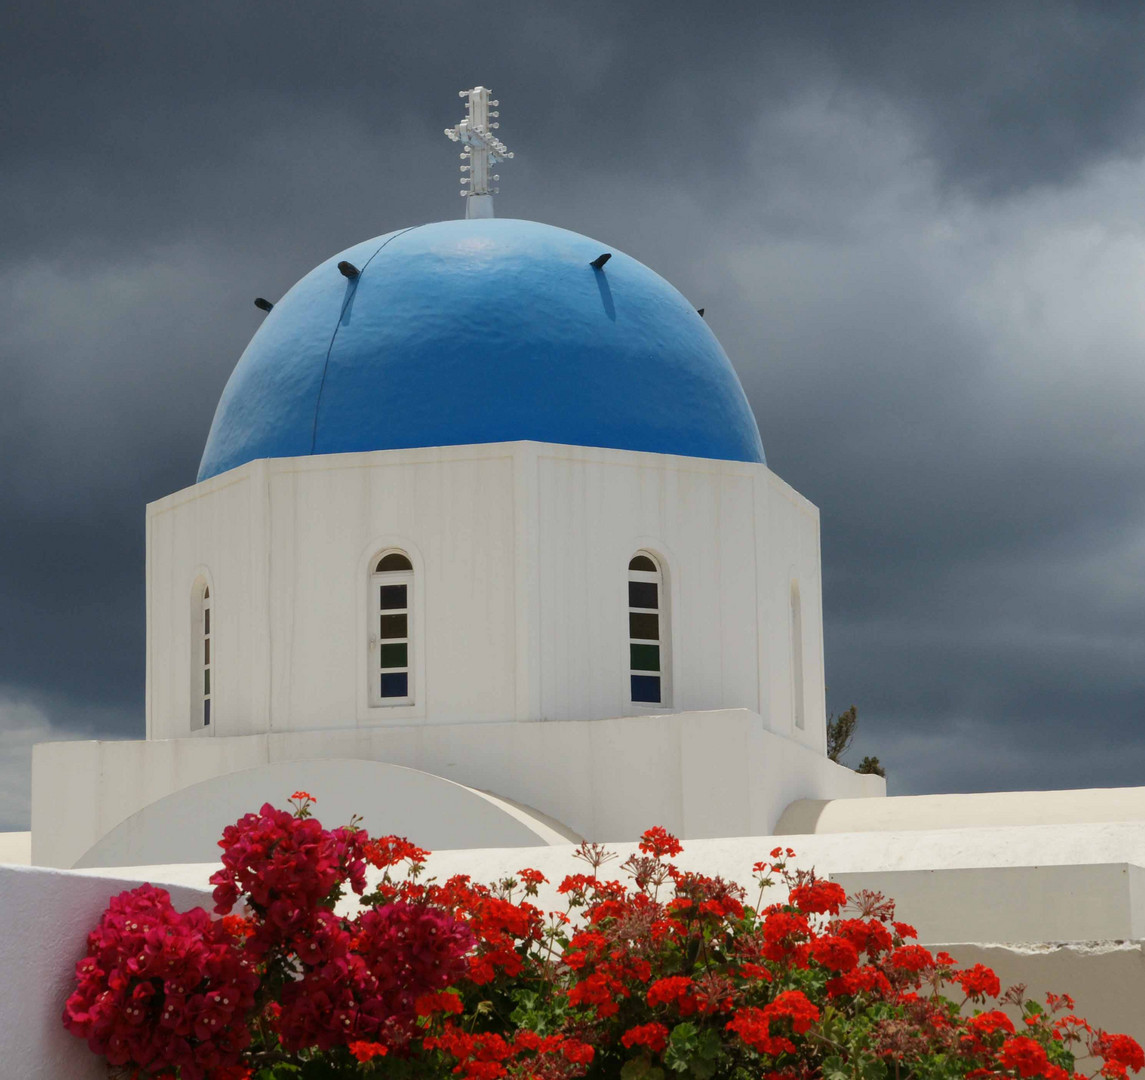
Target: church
point(482, 499)
point(484, 547)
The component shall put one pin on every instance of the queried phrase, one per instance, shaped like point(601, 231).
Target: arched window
point(202, 657)
point(647, 631)
point(797, 655)
point(391, 607)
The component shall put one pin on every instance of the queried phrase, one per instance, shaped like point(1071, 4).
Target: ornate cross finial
point(482, 150)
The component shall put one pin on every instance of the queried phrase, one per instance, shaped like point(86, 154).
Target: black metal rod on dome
point(263, 304)
point(348, 269)
point(600, 260)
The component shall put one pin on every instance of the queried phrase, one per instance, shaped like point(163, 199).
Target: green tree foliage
point(840, 733)
point(871, 765)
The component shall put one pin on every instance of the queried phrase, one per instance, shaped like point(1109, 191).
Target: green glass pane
point(207, 621)
point(207, 651)
point(395, 656)
point(391, 596)
point(645, 657)
point(206, 680)
point(393, 626)
point(642, 562)
point(644, 625)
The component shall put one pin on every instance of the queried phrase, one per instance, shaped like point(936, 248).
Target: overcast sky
point(917, 228)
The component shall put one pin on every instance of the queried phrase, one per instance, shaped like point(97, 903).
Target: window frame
point(659, 577)
point(203, 656)
point(795, 636)
point(374, 640)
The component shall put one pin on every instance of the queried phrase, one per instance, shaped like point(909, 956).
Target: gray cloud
point(916, 229)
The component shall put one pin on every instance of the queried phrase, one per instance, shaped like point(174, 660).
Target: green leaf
point(641, 1068)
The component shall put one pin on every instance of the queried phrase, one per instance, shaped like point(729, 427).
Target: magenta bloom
point(160, 988)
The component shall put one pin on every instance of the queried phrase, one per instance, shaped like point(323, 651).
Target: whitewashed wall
point(520, 552)
point(966, 811)
point(54, 911)
point(47, 917)
point(718, 773)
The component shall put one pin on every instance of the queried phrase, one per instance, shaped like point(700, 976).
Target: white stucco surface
point(47, 917)
point(16, 848)
point(956, 811)
point(1015, 904)
point(185, 826)
point(520, 553)
point(698, 774)
point(1106, 979)
point(1039, 883)
point(1022, 883)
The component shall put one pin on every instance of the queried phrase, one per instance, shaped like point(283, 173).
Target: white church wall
point(1106, 979)
point(185, 826)
point(16, 848)
point(520, 553)
point(212, 533)
point(1012, 904)
point(791, 561)
point(56, 909)
point(699, 774)
point(454, 518)
point(967, 811)
point(48, 915)
point(696, 517)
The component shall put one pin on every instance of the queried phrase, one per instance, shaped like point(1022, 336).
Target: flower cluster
point(288, 867)
point(162, 988)
point(672, 972)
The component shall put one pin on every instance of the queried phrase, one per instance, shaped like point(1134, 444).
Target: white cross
point(482, 150)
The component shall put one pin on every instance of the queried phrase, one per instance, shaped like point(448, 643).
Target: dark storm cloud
point(851, 189)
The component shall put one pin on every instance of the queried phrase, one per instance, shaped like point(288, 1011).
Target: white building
point(484, 548)
point(473, 504)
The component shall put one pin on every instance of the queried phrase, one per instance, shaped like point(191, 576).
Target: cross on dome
point(482, 151)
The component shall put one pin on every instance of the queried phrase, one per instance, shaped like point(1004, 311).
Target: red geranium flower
point(659, 842)
point(653, 1036)
point(979, 981)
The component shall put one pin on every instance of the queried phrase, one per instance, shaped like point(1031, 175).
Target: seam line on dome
point(334, 336)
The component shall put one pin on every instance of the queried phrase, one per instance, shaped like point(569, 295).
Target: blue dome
point(481, 331)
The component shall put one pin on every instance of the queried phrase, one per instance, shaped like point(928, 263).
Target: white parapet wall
point(703, 774)
point(16, 848)
point(47, 917)
point(1015, 904)
point(54, 910)
point(958, 811)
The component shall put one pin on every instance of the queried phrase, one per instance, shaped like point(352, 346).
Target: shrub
point(673, 972)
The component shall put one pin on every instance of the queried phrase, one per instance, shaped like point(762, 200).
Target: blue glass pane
point(396, 684)
point(646, 688)
point(207, 713)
